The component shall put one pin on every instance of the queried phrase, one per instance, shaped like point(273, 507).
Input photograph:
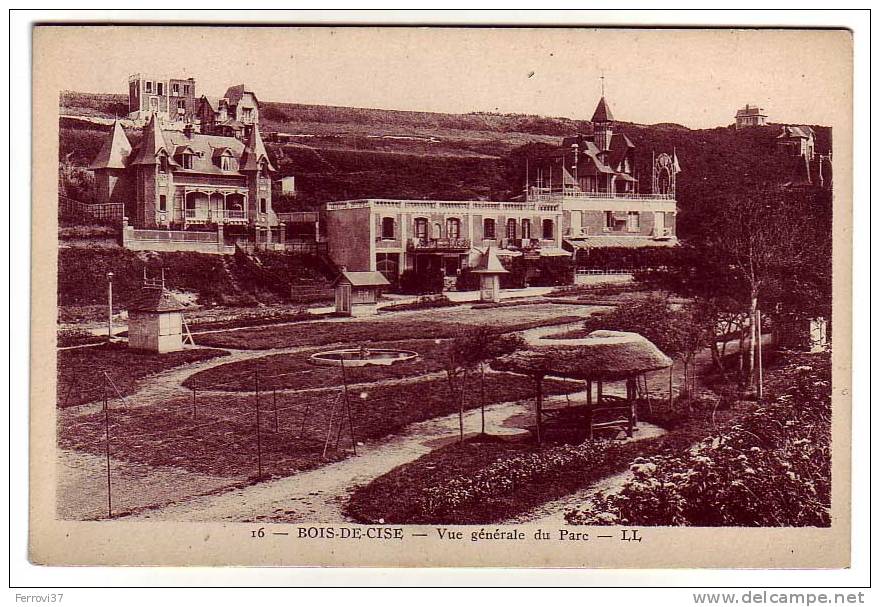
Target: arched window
point(511, 229)
point(489, 228)
point(526, 228)
point(388, 228)
point(453, 227)
point(547, 229)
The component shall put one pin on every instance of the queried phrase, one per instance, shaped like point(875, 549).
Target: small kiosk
point(358, 292)
point(155, 321)
point(490, 270)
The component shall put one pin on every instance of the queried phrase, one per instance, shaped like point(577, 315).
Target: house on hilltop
point(750, 116)
point(171, 99)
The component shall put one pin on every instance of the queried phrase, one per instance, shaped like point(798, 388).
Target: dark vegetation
point(772, 469)
point(81, 371)
point(215, 279)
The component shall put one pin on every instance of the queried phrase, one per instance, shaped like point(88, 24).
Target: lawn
point(412, 326)
point(286, 371)
point(399, 497)
point(81, 370)
point(218, 436)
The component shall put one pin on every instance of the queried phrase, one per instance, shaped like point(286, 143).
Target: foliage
point(420, 283)
point(507, 475)
point(553, 272)
point(626, 258)
point(78, 337)
point(424, 302)
point(772, 469)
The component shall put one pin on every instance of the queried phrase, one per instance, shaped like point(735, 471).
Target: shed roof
point(155, 299)
point(362, 279)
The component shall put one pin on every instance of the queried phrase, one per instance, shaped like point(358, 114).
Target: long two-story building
point(583, 196)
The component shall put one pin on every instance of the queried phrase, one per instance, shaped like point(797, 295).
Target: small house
point(155, 321)
point(490, 270)
point(358, 292)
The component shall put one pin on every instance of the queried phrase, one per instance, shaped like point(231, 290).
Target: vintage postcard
point(508, 297)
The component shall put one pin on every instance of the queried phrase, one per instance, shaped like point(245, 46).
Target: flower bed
point(772, 469)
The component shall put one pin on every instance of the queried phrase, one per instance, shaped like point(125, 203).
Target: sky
point(697, 78)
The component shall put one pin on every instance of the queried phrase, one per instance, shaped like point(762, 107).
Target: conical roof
point(254, 151)
point(114, 152)
point(151, 144)
point(603, 112)
point(489, 263)
point(602, 355)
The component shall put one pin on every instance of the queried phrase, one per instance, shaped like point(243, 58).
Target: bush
point(625, 258)
point(506, 475)
point(553, 272)
point(771, 470)
point(424, 302)
point(420, 283)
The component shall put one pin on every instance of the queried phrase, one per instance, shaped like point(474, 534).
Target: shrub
point(420, 283)
point(773, 469)
point(506, 475)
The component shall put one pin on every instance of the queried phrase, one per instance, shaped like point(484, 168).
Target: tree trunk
point(482, 398)
point(461, 406)
point(539, 404)
point(760, 356)
point(752, 350)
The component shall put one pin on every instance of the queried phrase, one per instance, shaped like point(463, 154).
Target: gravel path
point(319, 495)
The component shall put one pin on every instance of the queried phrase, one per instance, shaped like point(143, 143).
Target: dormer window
point(225, 163)
point(264, 168)
point(186, 160)
point(163, 163)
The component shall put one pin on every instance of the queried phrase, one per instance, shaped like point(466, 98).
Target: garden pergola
point(602, 356)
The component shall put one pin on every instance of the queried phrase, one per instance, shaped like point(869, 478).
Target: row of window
point(453, 228)
point(633, 222)
point(160, 88)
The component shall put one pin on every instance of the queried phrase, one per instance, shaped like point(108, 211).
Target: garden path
point(321, 494)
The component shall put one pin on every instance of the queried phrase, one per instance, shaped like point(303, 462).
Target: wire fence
point(249, 433)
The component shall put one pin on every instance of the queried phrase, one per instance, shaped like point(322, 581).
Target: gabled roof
point(212, 102)
point(602, 113)
point(151, 144)
point(155, 299)
point(489, 263)
point(235, 93)
point(796, 131)
point(115, 151)
point(362, 279)
point(254, 152)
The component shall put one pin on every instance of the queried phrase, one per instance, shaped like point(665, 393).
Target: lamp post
point(109, 306)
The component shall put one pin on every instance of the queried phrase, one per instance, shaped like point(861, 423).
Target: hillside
point(341, 153)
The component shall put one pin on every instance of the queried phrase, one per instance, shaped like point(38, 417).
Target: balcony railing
point(445, 205)
point(208, 216)
point(537, 195)
point(440, 244)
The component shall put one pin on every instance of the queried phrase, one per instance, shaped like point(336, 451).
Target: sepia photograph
point(350, 291)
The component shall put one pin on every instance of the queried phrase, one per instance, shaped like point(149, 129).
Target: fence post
point(259, 445)
point(107, 452)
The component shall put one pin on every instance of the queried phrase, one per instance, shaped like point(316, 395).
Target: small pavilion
point(490, 270)
point(602, 356)
point(357, 293)
point(155, 320)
